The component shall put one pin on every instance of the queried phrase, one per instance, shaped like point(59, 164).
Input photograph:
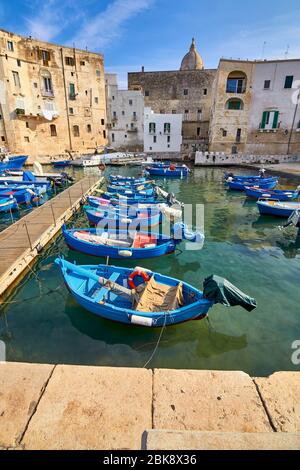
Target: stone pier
point(85, 407)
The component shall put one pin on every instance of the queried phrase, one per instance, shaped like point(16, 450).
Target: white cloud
point(108, 25)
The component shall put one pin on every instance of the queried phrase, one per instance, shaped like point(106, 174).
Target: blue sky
point(157, 33)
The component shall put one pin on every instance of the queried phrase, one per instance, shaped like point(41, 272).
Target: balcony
point(20, 111)
point(47, 93)
point(132, 129)
point(72, 96)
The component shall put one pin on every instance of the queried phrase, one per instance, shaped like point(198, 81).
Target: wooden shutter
point(264, 119)
point(275, 120)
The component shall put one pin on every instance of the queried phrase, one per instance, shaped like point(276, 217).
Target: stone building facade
point(256, 108)
point(187, 91)
point(125, 116)
point(52, 98)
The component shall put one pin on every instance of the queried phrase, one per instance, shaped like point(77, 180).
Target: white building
point(274, 119)
point(125, 116)
point(162, 132)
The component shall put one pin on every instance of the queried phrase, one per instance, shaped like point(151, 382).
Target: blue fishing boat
point(267, 183)
point(126, 243)
point(8, 204)
point(157, 300)
point(139, 296)
point(170, 171)
point(12, 163)
point(280, 195)
point(120, 220)
point(124, 190)
point(122, 199)
point(61, 163)
point(231, 176)
point(126, 179)
point(277, 208)
point(22, 196)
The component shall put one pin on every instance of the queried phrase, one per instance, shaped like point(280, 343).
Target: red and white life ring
point(136, 273)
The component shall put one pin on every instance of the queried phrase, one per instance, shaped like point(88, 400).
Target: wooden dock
point(21, 242)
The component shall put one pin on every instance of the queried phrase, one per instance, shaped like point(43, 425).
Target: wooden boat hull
point(167, 173)
point(278, 209)
point(81, 282)
point(272, 194)
point(8, 204)
point(127, 191)
point(13, 163)
point(129, 200)
point(166, 246)
point(241, 186)
point(119, 220)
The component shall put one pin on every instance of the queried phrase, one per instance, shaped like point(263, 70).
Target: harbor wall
point(223, 159)
point(47, 406)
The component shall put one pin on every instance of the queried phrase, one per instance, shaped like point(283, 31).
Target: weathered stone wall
point(165, 93)
point(30, 132)
point(218, 158)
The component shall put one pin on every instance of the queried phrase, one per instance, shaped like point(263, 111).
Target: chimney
point(143, 69)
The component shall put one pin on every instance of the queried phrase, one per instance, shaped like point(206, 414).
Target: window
point(71, 110)
point(3, 138)
point(289, 81)
point(168, 146)
point(115, 114)
point(123, 113)
point(205, 91)
point(102, 122)
point(10, 46)
point(72, 94)
point(96, 100)
point(104, 134)
point(270, 120)
point(173, 111)
point(35, 85)
point(82, 63)
point(168, 138)
point(70, 61)
point(98, 73)
point(134, 115)
point(185, 92)
point(224, 133)
point(186, 114)
point(235, 104)
point(236, 82)
point(113, 98)
point(27, 125)
point(17, 79)
point(130, 102)
point(18, 63)
point(154, 139)
point(167, 128)
point(267, 84)
point(47, 89)
point(152, 128)
point(45, 56)
point(238, 135)
point(113, 137)
point(125, 136)
point(89, 128)
point(199, 114)
point(147, 93)
point(26, 138)
point(76, 132)
point(53, 130)
point(198, 131)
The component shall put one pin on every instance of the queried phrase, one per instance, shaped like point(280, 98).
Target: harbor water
point(41, 322)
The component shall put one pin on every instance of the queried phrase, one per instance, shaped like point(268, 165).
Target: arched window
point(152, 128)
point(236, 82)
point(46, 83)
point(167, 128)
point(235, 104)
point(76, 131)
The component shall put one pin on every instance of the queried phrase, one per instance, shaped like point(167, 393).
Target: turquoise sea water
point(42, 323)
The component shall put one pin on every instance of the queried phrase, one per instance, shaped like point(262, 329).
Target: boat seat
point(100, 293)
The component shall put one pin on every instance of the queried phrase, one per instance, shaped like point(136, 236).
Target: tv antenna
point(287, 51)
point(263, 49)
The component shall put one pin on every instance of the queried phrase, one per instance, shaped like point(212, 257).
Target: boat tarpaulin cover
point(28, 176)
point(219, 290)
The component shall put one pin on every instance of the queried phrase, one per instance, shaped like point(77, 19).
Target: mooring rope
point(157, 343)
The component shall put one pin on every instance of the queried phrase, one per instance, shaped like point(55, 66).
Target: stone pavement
point(82, 407)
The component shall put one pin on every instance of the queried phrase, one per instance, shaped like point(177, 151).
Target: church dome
point(192, 60)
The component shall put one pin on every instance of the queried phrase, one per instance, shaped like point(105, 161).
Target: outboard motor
point(182, 232)
point(67, 177)
point(294, 220)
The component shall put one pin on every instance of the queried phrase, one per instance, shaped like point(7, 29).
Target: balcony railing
point(47, 93)
point(72, 96)
point(236, 89)
point(132, 129)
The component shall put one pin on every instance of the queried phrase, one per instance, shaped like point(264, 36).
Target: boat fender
point(125, 253)
point(126, 221)
point(134, 274)
point(142, 321)
point(229, 179)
